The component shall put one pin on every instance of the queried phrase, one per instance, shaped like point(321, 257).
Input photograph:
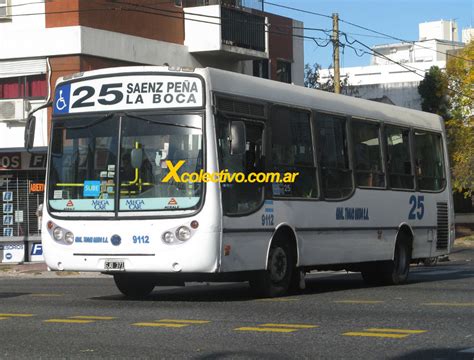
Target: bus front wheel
point(275, 281)
point(133, 286)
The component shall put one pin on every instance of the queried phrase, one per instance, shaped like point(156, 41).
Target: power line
point(368, 29)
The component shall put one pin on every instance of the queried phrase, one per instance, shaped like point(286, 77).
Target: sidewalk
point(28, 270)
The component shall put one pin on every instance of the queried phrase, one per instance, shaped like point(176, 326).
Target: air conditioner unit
point(15, 110)
point(5, 9)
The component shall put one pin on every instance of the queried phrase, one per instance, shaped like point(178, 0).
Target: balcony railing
point(250, 4)
point(242, 29)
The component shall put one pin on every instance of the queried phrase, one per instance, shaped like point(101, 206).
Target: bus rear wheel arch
point(391, 272)
point(281, 273)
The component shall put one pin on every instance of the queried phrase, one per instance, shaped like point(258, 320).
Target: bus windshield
point(91, 156)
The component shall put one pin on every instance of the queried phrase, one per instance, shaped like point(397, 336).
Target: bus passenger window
point(399, 166)
point(292, 151)
point(429, 161)
point(336, 175)
point(367, 154)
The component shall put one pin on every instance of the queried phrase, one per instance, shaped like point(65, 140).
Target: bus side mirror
point(136, 158)
point(30, 132)
point(237, 138)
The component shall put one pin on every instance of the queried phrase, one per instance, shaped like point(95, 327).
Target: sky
point(398, 18)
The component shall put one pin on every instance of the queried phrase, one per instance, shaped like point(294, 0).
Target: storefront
point(22, 177)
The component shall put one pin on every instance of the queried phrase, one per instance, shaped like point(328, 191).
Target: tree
point(433, 90)
point(312, 79)
point(460, 126)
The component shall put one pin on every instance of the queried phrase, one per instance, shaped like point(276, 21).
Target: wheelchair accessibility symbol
point(61, 104)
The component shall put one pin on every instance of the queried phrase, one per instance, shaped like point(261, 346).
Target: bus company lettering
point(135, 204)
point(100, 204)
point(181, 92)
point(351, 213)
point(92, 239)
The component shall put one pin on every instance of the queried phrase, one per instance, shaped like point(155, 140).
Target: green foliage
point(433, 90)
point(312, 80)
point(460, 126)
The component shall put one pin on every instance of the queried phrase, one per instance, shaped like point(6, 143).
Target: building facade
point(384, 78)
point(44, 40)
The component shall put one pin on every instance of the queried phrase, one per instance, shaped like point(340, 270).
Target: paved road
point(337, 317)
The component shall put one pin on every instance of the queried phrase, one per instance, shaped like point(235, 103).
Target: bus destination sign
point(127, 92)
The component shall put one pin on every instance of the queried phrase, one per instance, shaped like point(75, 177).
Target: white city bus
point(372, 195)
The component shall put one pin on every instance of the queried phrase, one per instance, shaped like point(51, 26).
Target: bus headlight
point(69, 237)
point(167, 237)
point(183, 233)
point(58, 234)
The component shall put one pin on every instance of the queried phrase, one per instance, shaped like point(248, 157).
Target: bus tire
point(133, 286)
point(275, 281)
point(392, 272)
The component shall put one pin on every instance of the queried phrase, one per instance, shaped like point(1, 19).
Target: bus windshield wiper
point(161, 122)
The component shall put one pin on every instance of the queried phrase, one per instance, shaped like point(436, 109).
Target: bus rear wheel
point(275, 281)
point(133, 286)
point(392, 272)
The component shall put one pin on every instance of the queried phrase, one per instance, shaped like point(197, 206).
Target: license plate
point(114, 265)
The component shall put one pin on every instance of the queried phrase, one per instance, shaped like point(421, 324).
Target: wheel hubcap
point(278, 265)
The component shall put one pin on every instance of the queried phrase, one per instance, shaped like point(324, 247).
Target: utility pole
point(335, 43)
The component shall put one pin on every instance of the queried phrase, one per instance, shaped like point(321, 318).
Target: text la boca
point(173, 92)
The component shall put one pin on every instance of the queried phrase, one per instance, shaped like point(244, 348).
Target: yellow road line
point(16, 315)
point(448, 304)
point(183, 321)
point(85, 317)
point(46, 295)
point(359, 301)
point(402, 331)
point(3, 318)
point(156, 324)
point(375, 334)
point(69, 321)
point(262, 329)
point(294, 326)
point(279, 299)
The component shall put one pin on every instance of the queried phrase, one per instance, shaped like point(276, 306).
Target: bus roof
point(270, 90)
point(286, 94)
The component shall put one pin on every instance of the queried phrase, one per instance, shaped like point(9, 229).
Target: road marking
point(402, 331)
point(279, 299)
point(385, 333)
point(156, 324)
point(296, 326)
point(184, 321)
point(372, 334)
point(359, 301)
point(448, 304)
point(3, 318)
point(86, 317)
point(46, 295)
point(278, 328)
point(172, 323)
point(262, 329)
point(69, 321)
point(467, 351)
point(16, 315)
